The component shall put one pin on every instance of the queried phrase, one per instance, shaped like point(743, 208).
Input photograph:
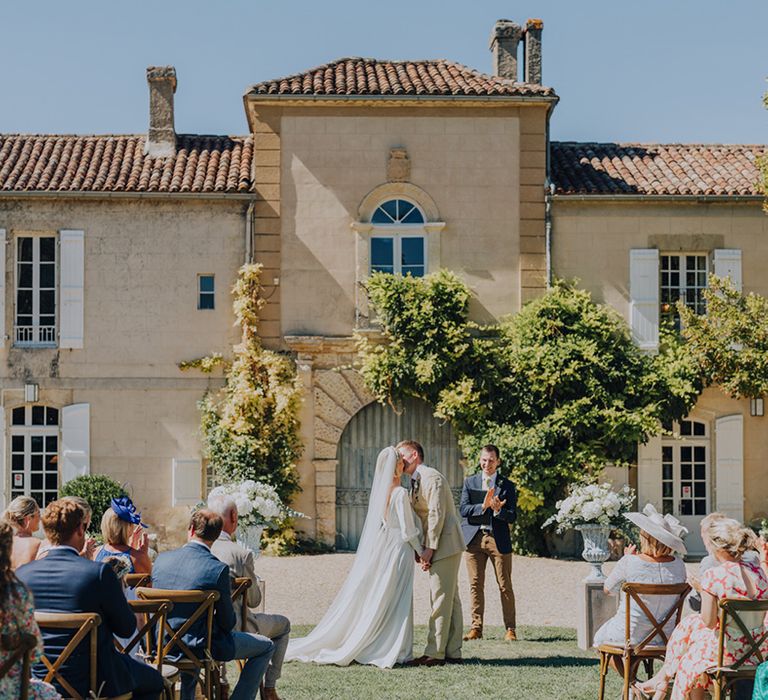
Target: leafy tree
point(98, 490)
point(730, 343)
point(251, 428)
point(560, 387)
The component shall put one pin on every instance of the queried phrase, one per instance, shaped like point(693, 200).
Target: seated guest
point(692, 648)
point(66, 582)
point(17, 616)
point(240, 562)
point(194, 568)
point(23, 514)
point(124, 537)
point(660, 538)
point(89, 549)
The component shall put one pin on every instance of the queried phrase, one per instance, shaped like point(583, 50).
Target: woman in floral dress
point(692, 648)
point(17, 617)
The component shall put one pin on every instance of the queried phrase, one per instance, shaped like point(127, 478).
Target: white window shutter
point(729, 466)
point(728, 264)
point(72, 287)
point(644, 297)
point(75, 441)
point(2, 287)
point(187, 482)
point(3, 462)
point(649, 473)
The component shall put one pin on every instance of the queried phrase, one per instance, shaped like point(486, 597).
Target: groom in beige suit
point(432, 502)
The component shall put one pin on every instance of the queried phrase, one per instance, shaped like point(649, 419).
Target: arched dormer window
point(398, 241)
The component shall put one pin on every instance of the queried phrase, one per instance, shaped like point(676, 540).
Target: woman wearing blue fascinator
point(124, 536)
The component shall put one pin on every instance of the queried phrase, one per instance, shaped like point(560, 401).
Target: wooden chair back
point(173, 639)
point(743, 618)
point(240, 597)
point(635, 592)
point(136, 580)
point(84, 625)
point(20, 651)
point(153, 614)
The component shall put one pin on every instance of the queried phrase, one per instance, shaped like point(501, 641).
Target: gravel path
point(546, 590)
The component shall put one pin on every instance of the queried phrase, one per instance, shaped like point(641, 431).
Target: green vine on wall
point(250, 429)
point(560, 387)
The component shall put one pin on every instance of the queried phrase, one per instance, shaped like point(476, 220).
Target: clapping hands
point(492, 501)
point(139, 540)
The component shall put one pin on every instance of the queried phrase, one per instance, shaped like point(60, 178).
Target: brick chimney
point(161, 138)
point(532, 65)
point(503, 45)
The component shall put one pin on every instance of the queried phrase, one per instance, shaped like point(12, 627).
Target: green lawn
point(545, 665)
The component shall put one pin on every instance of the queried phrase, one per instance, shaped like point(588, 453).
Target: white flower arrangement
point(257, 503)
point(595, 504)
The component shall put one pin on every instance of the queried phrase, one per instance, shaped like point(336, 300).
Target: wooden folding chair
point(172, 640)
point(21, 651)
point(136, 580)
point(738, 618)
point(84, 625)
point(152, 614)
point(632, 655)
point(240, 591)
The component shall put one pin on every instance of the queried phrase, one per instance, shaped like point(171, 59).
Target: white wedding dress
point(371, 619)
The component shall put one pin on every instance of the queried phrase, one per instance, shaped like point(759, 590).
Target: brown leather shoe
point(473, 634)
point(427, 661)
point(510, 636)
point(269, 694)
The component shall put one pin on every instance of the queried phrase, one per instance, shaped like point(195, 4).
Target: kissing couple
point(371, 619)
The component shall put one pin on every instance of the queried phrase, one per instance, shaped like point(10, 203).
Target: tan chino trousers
point(445, 623)
point(479, 551)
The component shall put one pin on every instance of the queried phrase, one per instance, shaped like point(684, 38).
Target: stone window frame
point(365, 230)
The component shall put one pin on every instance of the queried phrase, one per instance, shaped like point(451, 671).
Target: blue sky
point(654, 70)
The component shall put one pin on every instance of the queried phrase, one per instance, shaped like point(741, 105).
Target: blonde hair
point(652, 547)
point(115, 531)
point(19, 508)
point(729, 535)
point(84, 505)
point(708, 520)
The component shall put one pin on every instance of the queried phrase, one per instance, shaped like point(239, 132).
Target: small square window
point(206, 292)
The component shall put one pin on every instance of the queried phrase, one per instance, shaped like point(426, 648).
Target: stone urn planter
point(596, 548)
point(250, 536)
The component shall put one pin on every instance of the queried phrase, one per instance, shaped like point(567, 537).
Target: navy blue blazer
point(472, 515)
point(194, 568)
point(66, 582)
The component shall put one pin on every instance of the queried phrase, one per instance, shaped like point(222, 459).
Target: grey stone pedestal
point(595, 607)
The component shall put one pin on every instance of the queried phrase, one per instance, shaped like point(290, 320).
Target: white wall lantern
point(30, 393)
point(756, 406)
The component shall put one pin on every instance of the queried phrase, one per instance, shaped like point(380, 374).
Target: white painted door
point(686, 478)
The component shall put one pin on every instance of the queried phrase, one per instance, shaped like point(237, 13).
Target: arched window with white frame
point(398, 240)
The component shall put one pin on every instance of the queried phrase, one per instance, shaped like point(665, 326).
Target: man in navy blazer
point(66, 582)
point(194, 568)
point(487, 507)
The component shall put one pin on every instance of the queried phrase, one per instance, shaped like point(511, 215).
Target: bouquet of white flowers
point(257, 503)
point(595, 504)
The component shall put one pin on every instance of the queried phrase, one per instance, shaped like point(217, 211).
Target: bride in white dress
point(371, 619)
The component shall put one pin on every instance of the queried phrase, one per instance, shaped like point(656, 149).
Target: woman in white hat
point(660, 541)
point(692, 648)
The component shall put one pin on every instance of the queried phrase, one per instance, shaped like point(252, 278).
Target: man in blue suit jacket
point(194, 568)
point(66, 582)
point(487, 507)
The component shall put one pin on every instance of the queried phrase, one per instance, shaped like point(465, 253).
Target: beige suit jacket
point(433, 504)
point(239, 559)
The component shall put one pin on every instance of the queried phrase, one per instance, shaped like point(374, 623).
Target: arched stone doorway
point(371, 429)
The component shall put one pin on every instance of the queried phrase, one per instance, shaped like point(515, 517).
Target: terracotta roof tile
point(368, 76)
point(53, 163)
point(655, 169)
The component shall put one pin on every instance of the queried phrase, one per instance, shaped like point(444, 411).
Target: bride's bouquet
point(596, 504)
point(258, 504)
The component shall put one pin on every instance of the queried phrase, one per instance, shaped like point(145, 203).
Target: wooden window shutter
point(187, 482)
point(644, 297)
point(729, 466)
point(3, 462)
point(728, 264)
point(75, 441)
point(71, 288)
point(649, 473)
point(2, 287)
